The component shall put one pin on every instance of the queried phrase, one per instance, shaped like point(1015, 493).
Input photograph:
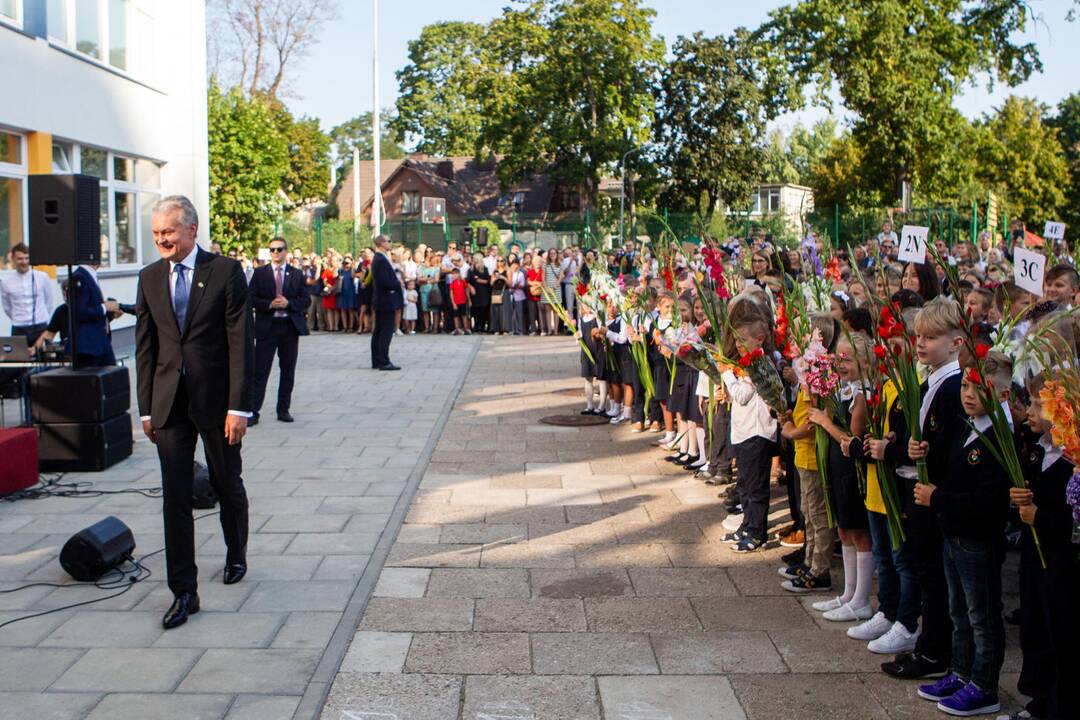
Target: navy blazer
point(387, 288)
point(263, 289)
point(91, 322)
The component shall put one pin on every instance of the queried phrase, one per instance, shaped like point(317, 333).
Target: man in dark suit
point(280, 298)
point(386, 298)
point(193, 353)
point(93, 343)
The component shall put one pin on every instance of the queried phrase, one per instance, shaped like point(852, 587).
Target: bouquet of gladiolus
point(760, 369)
point(1060, 399)
point(900, 364)
point(557, 306)
point(878, 404)
point(816, 370)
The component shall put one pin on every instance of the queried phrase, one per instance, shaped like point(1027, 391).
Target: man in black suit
point(280, 298)
point(387, 298)
point(193, 354)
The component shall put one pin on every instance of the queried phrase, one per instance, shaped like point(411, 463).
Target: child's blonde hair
point(940, 316)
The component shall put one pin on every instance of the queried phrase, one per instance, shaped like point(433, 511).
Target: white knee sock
point(691, 436)
point(864, 564)
point(850, 572)
point(603, 396)
point(589, 393)
point(702, 455)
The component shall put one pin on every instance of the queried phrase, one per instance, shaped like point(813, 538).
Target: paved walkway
point(546, 573)
point(327, 494)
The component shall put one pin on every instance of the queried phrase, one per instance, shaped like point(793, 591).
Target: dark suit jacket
point(91, 324)
point(263, 289)
point(387, 289)
point(214, 350)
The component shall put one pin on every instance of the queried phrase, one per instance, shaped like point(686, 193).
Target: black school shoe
point(914, 666)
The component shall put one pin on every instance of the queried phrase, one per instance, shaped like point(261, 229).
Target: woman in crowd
point(480, 289)
point(329, 292)
point(430, 307)
point(347, 299)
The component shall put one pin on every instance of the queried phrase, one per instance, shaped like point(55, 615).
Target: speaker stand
point(72, 339)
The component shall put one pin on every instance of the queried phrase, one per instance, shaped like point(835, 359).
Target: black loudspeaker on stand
point(92, 552)
point(82, 418)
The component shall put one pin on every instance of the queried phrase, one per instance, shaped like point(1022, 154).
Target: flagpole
point(376, 205)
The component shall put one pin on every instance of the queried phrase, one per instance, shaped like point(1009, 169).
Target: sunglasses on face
point(277, 249)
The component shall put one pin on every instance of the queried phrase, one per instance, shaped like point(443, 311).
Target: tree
point(254, 42)
point(439, 102)
point(308, 177)
point(1020, 157)
point(711, 123)
point(791, 158)
point(356, 133)
point(898, 65)
point(1067, 123)
point(249, 158)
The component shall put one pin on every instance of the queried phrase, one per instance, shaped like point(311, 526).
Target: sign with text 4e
point(1028, 270)
point(1054, 231)
point(913, 244)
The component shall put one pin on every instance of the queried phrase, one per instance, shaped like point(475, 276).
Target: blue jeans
point(898, 588)
point(973, 573)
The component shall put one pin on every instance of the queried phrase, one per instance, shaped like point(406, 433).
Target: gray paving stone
point(716, 653)
point(641, 615)
point(166, 707)
point(333, 544)
point(682, 582)
point(33, 669)
point(402, 582)
point(223, 629)
point(478, 583)
point(263, 707)
point(416, 533)
point(580, 583)
point(367, 505)
point(777, 697)
point(528, 555)
point(317, 595)
point(752, 613)
point(46, 706)
point(122, 670)
point(341, 567)
point(306, 630)
point(469, 653)
point(592, 654)
point(532, 615)
point(31, 631)
point(669, 697)
point(483, 533)
point(530, 697)
point(213, 595)
point(305, 523)
point(263, 672)
point(94, 628)
point(418, 614)
point(372, 651)
point(393, 697)
point(433, 555)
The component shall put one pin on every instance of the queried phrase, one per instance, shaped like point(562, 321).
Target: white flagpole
point(376, 206)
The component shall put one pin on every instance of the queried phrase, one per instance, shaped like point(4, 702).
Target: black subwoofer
point(92, 552)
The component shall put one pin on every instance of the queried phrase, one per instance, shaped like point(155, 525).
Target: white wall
point(158, 112)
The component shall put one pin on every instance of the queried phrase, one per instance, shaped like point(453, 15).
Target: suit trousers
point(283, 341)
point(382, 335)
point(176, 452)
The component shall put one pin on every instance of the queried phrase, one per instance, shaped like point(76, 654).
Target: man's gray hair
point(380, 239)
point(188, 214)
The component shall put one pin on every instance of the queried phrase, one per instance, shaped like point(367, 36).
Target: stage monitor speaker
point(92, 552)
point(86, 395)
point(84, 447)
point(65, 220)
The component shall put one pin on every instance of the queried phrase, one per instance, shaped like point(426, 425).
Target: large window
point(12, 196)
point(767, 200)
point(10, 11)
point(129, 188)
point(410, 202)
point(96, 28)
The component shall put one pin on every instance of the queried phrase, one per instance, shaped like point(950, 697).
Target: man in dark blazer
point(93, 343)
point(193, 354)
point(386, 298)
point(280, 298)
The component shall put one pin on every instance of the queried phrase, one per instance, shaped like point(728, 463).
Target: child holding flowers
point(970, 503)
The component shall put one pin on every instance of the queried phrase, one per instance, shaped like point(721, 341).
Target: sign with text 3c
point(1054, 231)
point(1028, 270)
point(913, 244)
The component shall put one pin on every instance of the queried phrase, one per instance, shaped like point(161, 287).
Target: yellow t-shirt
point(874, 501)
point(806, 448)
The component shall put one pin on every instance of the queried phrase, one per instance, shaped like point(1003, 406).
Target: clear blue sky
point(335, 80)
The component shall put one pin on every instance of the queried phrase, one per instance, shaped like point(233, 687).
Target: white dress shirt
point(1052, 453)
point(27, 297)
point(750, 415)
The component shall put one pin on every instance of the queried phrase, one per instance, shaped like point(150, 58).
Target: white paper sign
point(264, 254)
point(1028, 270)
point(1054, 231)
point(913, 244)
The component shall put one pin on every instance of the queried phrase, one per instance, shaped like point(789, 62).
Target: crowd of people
point(920, 415)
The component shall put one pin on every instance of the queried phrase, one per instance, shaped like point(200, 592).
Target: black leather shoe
point(285, 417)
point(914, 666)
point(389, 367)
point(234, 573)
point(253, 420)
point(185, 604)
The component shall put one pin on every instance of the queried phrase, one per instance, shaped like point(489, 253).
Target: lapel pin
point(200, 284)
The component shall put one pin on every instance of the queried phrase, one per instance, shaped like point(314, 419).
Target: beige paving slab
point(470, 653)
point(669, 697)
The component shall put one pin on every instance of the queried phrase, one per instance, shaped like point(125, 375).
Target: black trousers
point(283, 341)
point(30, 332)
point(382, 335)
point(480, 314)
point(176, 451)
point(754, 460)
point(935, 642)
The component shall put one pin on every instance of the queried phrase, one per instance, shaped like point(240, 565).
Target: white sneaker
point(897, 640)
point(666, 440)
point(617, 419)
point(872, 629)
point(847, 613)
point(732, 523)
point(826, 605)
point(613, 413)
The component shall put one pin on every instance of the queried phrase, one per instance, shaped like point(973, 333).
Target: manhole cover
point(575, 420)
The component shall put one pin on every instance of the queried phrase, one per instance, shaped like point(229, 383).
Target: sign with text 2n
point(1054, 231)
point(913, 244)
point(1028, 270)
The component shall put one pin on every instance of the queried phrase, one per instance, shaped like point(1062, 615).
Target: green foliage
point(309, 159)
point(493, 236)
point(711, 123)
point(898, 65)
point(1067, 122)
point(248, 160)
point(792, 157)
point(1019, 156)
point(356, 133)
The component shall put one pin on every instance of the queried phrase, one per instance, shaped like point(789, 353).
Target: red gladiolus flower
point(722, 291)
point(880, 352)
point(668, 280)
point(974, 377)
point(684, 351)
point(582, 289)
point(982, 350)
point(881, 368)
point(896, 350)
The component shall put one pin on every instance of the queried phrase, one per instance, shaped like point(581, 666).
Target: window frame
point(17, 21)
point(406, 196)
point(18, 172)
point(70, 42)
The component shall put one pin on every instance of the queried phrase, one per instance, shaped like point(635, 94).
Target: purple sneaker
point(943, 688)
point(970, 700)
